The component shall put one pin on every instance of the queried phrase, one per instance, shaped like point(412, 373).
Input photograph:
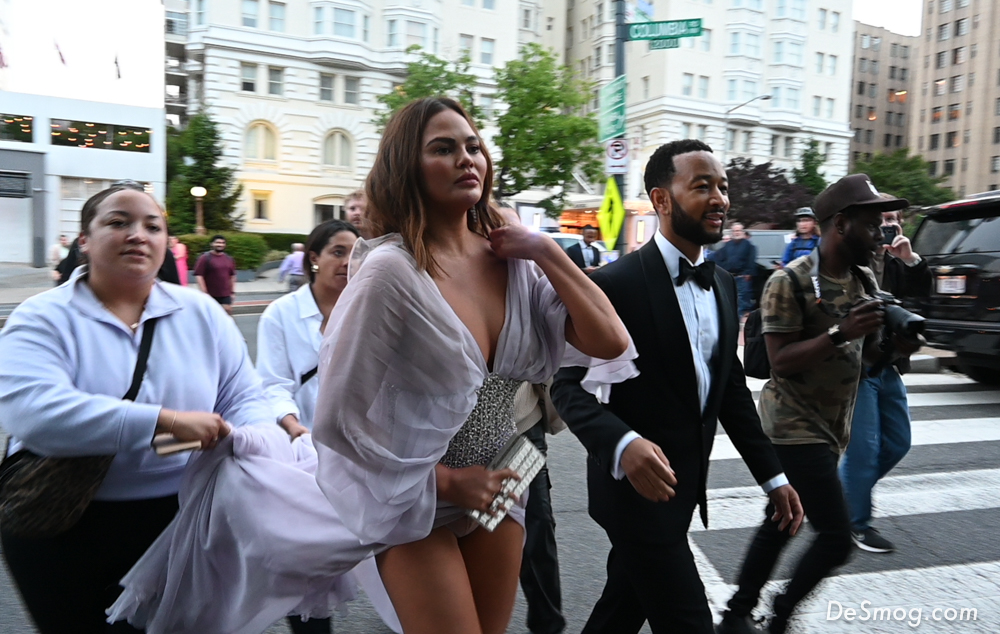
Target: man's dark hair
point(592, 227)
point(660, 168)
point(217, 236)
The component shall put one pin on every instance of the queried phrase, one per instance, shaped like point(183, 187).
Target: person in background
point(66, 358)
point(291, 267)
point(354, 211)
point(586, 255)
point(880, 429)
point(739, 256)
point(216, 274)
point(806, 236)
point(179, 252)
point(58, 253)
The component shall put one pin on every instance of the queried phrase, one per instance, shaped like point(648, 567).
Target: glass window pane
point(343, 22)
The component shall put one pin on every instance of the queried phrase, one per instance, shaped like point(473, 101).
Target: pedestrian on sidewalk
point(815, 350)
point(806, 236)
point(739, 257)
point(179, 251)
point(880, 429)
point(291, 267)
point(216, 274)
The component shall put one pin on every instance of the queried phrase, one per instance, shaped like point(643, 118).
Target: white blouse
point(288, 340)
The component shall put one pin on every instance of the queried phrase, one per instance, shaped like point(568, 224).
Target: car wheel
point(980, 374)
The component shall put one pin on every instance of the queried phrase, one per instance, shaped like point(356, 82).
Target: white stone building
point(293, 85)
point(796, 51)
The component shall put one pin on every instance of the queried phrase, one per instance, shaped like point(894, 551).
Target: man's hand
point(863, 320)
point(901, 248)
point(787, 508)
point(649, 470)
point(589, 269)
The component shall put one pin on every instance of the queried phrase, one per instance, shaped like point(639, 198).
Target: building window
point(687, 83)
point(199, 12)
point(416, 34)
point(778, 52)
point(861, 88)
point(780, 8)
point(259, 143)
point(731, 90)
point(961, 27)
point(260, 206)
point(940, 87)
point(326, 88)
point(935, 142)
point(706, 41)
point(337, 150)
point(702, 132)
point(887, 141)
point(817, 105)
point(869, 137)
point(16, 127)
point(486, 51)
point(957, 83)
point(352, 90)
point(863, 65)
point(832, 64)
point(904, 74)
point(645, 87)
point(749, 89)
point(958, 55)
point(949, 167)
point(858, 111)
point(795, 53)
point(685, 130)
point(994, 167)
point(872, 116)
point(250, 8)
point(366, 22)
point(391, 35)
point(829, 108)
point(874, 67)
point(834, 21)
point(820, 62)
point(747, 141)
point(944, 32)
point(702, 87)
point(951, 139)
point(465, 44)
point(798, 9)
point(489, 4)
point(275, 81)
point(526, 19)
point(753, 45)
point(789, 145)
point(941, 59)
point(318, 21)
point(248, 75)
point(954, 111)
point(937, 113)
point(98, 136)
point(343, 22)
point(775, 140)
point(776, 96)
point(734, 43)
point(866, 41)
point(276, 15)
point(730, 140)
point(821, 23)
point(469, 3)
point(871, 90)
point(486, 105)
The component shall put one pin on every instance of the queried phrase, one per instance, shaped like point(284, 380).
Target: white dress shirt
point(66, 361)
point(288, 340)
point(588, 255)
point(700, 312)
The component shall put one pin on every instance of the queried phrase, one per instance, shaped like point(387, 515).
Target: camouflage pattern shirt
point(815, 405)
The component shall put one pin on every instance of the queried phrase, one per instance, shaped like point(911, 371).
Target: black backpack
point(755, 361)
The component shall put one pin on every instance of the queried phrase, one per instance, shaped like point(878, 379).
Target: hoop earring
point(472, 217)
point(315, 268)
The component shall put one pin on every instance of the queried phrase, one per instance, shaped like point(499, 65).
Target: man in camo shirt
point(815, 343)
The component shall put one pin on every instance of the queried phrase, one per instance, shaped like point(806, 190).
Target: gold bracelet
point(172, 421)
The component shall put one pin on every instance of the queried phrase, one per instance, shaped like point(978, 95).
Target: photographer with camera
point(880, 430)
point(822, 321)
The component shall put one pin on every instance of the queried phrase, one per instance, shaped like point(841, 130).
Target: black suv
point(961, 242)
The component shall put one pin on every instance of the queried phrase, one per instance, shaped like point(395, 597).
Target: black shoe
point(777, 625)
point(732, 624)
point(870, 540)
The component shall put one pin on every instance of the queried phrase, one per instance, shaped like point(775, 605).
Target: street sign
point(616, 157)
point(659, 45)
point(611, 115)
point(661, 30)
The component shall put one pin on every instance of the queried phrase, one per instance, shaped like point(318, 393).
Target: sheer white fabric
point(254, 541)
point(398, 372)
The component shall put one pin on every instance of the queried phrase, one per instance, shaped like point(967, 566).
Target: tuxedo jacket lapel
point(671, 332)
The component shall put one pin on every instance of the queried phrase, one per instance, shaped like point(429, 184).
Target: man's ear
point(660, 198)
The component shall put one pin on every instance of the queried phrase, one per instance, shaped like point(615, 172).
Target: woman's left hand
point(517, 241)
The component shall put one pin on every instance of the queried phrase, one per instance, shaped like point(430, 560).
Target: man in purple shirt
point(216, 274)
point(291, 267)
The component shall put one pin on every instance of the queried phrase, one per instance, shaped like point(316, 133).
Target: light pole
point(199, 213)
point(725, 124)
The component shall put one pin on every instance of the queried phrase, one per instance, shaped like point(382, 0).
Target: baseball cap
point(853, 191)
point(804, 212)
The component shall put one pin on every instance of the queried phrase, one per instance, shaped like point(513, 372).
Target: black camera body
point(897, 322)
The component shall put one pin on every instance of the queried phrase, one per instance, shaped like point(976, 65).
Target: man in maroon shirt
point(216, 274)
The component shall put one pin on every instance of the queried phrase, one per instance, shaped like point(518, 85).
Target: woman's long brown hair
point(395, 184)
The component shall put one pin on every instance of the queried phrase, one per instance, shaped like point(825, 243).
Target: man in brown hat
point(816, 338)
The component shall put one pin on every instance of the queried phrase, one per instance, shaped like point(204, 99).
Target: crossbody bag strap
point(140, 364)
point(308, 375)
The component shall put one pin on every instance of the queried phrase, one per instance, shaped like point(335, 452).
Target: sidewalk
point(18, 282)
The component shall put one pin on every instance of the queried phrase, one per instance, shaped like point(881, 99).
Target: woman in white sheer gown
point(426, 348)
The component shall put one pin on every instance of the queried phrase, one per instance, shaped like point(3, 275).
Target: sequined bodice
point(489, 426)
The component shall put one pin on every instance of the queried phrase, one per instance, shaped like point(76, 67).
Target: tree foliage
point(808, 174)
point(430, 76)
point(193, 158)
point(762, 194)
point(907, 177)
point(543, 135)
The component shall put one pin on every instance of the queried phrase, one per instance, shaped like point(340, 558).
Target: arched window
point(260, 143)
point(337, 150)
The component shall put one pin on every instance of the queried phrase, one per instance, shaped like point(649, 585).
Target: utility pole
point(621, 34)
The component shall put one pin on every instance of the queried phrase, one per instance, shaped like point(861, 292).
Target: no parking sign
point(616, 156)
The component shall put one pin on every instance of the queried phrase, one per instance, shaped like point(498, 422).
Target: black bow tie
point(702, 274)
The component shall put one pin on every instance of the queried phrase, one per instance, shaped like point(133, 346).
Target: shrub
point(248, 249)
point(275, 256)
point(282, 241)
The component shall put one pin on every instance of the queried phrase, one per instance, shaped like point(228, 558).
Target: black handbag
point(44, 496)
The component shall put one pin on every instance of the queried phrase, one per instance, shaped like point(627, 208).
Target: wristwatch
point(837, 336)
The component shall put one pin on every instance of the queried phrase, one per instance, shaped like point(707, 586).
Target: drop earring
point(315, 268)
point(472, 217)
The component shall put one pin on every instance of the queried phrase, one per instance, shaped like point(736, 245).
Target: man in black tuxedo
point(648, 448)
point(586, 256)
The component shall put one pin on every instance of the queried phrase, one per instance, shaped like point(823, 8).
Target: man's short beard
point(690, 229)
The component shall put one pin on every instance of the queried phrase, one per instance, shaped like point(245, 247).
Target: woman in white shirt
point(291, 329)
point(66, 358)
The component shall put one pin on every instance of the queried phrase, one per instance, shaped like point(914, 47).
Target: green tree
point(431, 76)
point(907, 177)
point(194, 156)
point(543, 135)
point(808, 174)
point(761, 193)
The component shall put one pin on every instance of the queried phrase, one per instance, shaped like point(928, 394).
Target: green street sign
point(663, 30)
point(611, 112)
point(659, 45)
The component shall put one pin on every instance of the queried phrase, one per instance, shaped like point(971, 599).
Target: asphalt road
point(939, 505)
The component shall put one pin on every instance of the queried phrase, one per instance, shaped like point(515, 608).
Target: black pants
point(69, 580)
point(540, 562)
point(812, 470)
point(312, 626)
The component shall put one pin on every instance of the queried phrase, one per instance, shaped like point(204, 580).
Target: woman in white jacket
point(66, 358)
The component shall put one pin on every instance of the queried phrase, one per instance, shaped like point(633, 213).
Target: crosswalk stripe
point(953, 398)
point(743, 507)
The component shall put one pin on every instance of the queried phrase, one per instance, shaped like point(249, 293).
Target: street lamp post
point(725, 124)
point(199, 213)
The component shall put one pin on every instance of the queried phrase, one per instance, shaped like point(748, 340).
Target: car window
point(962, 235)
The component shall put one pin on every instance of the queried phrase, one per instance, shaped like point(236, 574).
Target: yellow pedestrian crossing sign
point(611, 215)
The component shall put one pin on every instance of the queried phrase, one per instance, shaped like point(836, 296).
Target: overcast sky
point(899, 16)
